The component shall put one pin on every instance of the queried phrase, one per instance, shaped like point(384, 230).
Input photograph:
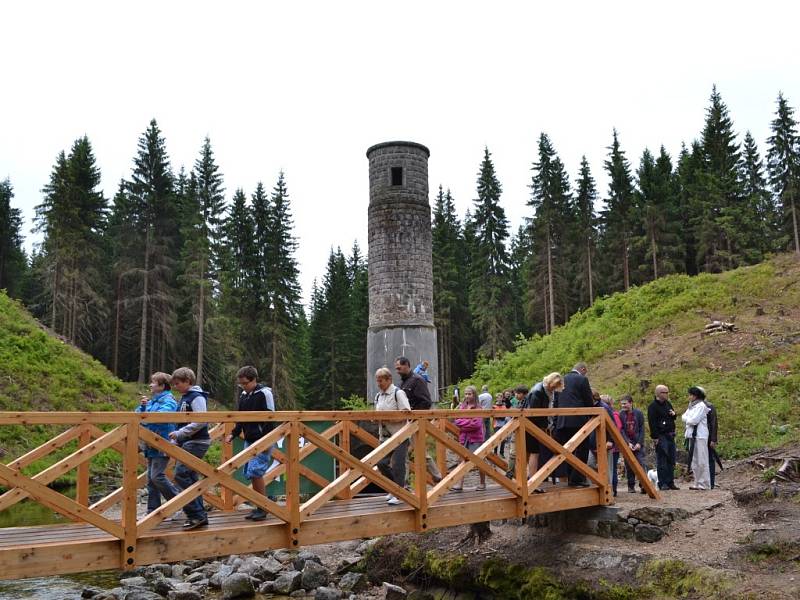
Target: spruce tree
point(203, 242)
point(724, 224)
point(783, 165)
point(550, 200)
point(72, 218)
point(447, 281)
point(154, 213)
point(619, 215)
point(585, 233)
point(359, 320)
point(688, 177)
point(758, 197)
point(658, 242)
point(489, 286)
point(13, 263)
point(283, 291)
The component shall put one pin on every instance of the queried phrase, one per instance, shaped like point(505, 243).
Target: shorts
point(259, 464)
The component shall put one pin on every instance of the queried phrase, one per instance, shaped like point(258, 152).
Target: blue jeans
point(158, 485)
point(185, 477)
point(639, 454)
point(615, 476)
point(665, 461)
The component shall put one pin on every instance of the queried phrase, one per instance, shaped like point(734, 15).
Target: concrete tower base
point(415, 342)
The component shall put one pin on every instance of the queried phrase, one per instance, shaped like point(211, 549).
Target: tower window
point(397, 175)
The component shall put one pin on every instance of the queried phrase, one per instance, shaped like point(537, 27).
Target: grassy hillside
point(652, 334)
point(38, 371)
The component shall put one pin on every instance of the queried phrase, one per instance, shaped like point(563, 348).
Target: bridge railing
point(91, 433)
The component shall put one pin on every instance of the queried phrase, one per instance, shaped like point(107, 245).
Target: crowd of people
point(572, 390)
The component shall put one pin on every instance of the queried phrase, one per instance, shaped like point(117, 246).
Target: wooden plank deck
point(76, 547)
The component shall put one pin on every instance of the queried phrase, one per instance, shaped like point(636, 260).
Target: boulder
point(237, 585)
point(633, 521)
point(269, 569)
point(215, 581)
point(267, 587)
point(301, 593)
point(677, 514)
point(366, 545)
point(136, 582)
point(604, 528)
point(194, 563)
point(141, 595)
point(347, 562)
point(91, 592)
point(648, 533)
point(283, 555)
point(353, 582)
point(314, 575)
point(165, 570)
point(303, 557)
point(250, 565)
point(287, 582)
point(393, 592)
point(622, 530)
point(195, 577)
point(179, 571)
point(327, 593)
point(162, 585)
point(184, 595)
point(651, 515)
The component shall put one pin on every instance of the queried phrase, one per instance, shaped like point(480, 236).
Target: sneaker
point(641, 491)
point(257, 515)
point(195, 523)
point(480, 487)
point(388, 497)
point(631, 490)
point(392, 500)
point(672, 486)
point(456, 489)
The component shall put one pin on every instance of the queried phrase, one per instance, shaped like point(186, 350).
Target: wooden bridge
point(109, 533)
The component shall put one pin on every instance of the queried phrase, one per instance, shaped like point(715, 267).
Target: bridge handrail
point(352, 476)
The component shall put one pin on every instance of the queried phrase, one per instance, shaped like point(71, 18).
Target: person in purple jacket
point(471, 431)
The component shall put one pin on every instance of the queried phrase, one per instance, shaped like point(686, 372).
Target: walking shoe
point(195, 523)
point(388, 497)
point(672, 486)
point(392, 500)
point(480, 487)
point(257, 515)
point(631, 489)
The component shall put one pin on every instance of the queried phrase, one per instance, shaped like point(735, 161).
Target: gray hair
point(383, 373)
point(580, 366)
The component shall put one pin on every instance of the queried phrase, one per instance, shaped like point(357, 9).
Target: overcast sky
point(307, 87)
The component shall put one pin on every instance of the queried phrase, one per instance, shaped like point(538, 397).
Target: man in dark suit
point(577, 393)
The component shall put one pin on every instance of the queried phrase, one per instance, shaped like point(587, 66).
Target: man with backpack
point(254, 397)
point(416, 390)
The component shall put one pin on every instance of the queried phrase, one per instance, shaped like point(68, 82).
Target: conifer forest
point(182, 268)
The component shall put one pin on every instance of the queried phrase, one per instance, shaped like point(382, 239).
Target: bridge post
point(421, 474)
point(441, 451)
point(521, 467)
point(293, 483)
point(130, 463)
point(82, 491)
point(227, 453)
point(344, 444)
point(602, 462)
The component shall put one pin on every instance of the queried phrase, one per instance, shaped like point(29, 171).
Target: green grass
point(40, 372)
point(757, 390)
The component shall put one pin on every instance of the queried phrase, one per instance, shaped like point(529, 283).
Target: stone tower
point(400, 263)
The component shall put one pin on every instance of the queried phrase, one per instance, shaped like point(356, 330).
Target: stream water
point(47, 588)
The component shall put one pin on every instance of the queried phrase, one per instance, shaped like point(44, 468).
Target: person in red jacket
point(471, 431)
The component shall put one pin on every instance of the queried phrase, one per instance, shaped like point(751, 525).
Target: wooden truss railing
point(428, 432)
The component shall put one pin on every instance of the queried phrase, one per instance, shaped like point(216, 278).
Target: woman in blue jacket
point(161, 400)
